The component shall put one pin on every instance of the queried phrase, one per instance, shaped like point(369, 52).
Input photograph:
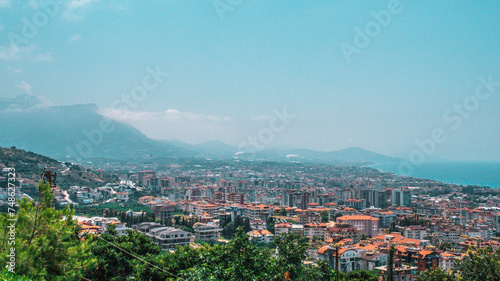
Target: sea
point(463, 173)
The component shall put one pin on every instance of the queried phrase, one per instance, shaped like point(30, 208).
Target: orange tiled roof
point(357, 217)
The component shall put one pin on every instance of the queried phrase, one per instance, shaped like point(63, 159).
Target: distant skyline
point(229, 77)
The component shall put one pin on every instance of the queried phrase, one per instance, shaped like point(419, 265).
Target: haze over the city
point(230, 71)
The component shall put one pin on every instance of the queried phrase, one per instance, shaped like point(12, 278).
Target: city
point(241, 140)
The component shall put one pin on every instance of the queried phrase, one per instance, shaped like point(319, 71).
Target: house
point(166, 237)
point(447, 260)
point(400, 272)
point(122, 196)
point(283, 227)
point(262, 236)
point(348, 257)
point(370, 260)
point(426, 259)
point(342, 231)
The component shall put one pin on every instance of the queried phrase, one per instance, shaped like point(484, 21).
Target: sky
point(342, 72)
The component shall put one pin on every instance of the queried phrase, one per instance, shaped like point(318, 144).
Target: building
point(426, 259)
point(256, 211)
point(237, 198)
point(370, 260)
point(166, 237)
point(297, 229)
point(447, 260)
point(415, 232)
point(401, 197)
point(342, 231)
point(206, 231)
point(309, 217)
point(261, 236)
point(164, 212)
point(122, 196)
point(374, 197)
point(385, 218)
point(448, 234)
point(315, 230)
point(366, 224)
point(280, 228)
point(104, 224)
point(358, 204)
point(348, 258)
point(400, 272)
point(143, 175)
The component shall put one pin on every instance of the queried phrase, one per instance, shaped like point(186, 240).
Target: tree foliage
point(436, 274)
point(47, 242)
point(480, 264)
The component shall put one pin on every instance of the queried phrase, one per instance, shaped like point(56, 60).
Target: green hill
point(29, 166)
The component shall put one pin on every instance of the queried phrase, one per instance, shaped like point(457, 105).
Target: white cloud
point(16, 70)
point(76, 9)
point(16, 52)
point(25, 87)
point(174, 124)
point(5, 3)
point(44, 57)
point(76, 37)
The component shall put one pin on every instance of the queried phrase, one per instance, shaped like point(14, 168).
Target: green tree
point(246, 225)
point(270, 224)
point(445, 245)
point(281, 212)
point(480, 264)
point(436, 274)
point(324, 216)
point(117, 255)
point(291, 250)
point(47, 241)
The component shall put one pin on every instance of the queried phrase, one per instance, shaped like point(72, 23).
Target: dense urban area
point(348, 217)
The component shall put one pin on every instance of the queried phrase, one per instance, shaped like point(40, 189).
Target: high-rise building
point(401, 197)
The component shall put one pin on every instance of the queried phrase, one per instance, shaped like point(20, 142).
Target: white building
point(206, 231)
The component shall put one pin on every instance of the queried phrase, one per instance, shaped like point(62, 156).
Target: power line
point(140, 258)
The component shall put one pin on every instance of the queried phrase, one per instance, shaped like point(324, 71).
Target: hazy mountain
point(80, 132)
point(220, 150)
point(76, 131)
point(210, 149)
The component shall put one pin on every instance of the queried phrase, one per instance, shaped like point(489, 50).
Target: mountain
point(213, 149)
point(75, 132)
point(29, 165)
point(220, 150)
point(79, 132)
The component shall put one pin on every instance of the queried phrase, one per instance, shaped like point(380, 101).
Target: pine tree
point(47, 242)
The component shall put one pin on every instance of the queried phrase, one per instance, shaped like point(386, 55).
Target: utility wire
point(140, 258)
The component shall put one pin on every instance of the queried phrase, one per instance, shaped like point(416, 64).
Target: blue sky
point(226, 77)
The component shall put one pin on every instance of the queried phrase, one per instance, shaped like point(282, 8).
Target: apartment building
point(366, 224)
point(206, 231)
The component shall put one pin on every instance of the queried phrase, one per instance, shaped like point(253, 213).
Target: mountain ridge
point(76, 133)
